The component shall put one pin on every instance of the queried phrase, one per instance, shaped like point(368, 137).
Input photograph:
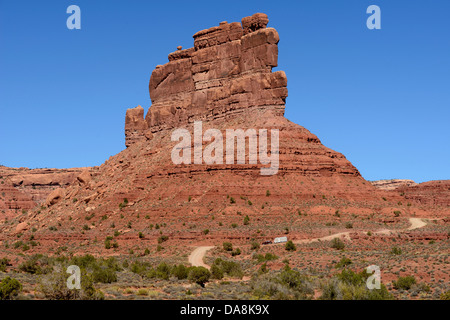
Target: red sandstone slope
point(226, 81)
point(23, 188)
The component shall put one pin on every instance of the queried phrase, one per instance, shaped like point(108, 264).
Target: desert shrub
point(404, 283)
point(349, 285)
point(216, 272)
point(162, 239)
point(36, 264)
point(236, 252)
point(231, 268)
point(206, 231)
point(255, 245)
point(420, 287)
point(263, 268)
point(290, 246)
point(227, 246)
point(396, 251)
point(445, 295)
point(104, 275)
point(9, 288)
point(86, 261)
point(338, 244)
point(54, 287)
point(232, 200)
point(99, 270)
point(262, 258)
point(343, 262)
point(163, 271)
point(397, 213)
point(139, 267)
point(286, 285)
point(349, 225)
point(180, 271)
point(3, 264)
point(246, 220)
point(199, 275)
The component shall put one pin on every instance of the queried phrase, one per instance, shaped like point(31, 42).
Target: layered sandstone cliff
point(228, 71)
point(392, 184)
point(24, 189)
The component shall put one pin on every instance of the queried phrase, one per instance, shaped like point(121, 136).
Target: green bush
point(349, 285)
point(285, 285)
point(180, 271)
point(445, 295)
point(338, 244)
point(54, 287)
point(163, 239)
point(9, 288)
point(262, 258)
point(343, 263)
point(246, 220)
point(236, 252)
point(290, 246)
point(36, 264)
point(3, 264)
point(396, 251)
point(255, 245)
point(231, 268)
point(404, 283)
point(216, 272)
point(163, 271)
point(227, 246)
point(199, 275)
point(104, 275)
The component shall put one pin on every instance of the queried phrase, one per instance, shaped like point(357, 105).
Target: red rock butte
point(225, 81)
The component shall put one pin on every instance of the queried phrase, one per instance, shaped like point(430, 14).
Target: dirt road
point(196, 257)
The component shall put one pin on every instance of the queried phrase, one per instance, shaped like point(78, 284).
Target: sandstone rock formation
point(23, 188)
point(228, 71)
point(226, 81)
point(392, 184)
point(435, 193)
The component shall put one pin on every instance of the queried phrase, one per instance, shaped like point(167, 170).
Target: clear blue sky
point(380, 97)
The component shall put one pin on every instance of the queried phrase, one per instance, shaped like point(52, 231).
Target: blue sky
point(380, 97)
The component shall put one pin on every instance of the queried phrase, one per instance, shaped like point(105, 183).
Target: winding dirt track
point(196, 257)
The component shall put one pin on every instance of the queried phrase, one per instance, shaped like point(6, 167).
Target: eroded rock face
point(228, 71)
point(428, 193)
point(392, 184)
point(23, 188)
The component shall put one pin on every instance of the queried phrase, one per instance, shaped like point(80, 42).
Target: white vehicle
point(280, 240)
